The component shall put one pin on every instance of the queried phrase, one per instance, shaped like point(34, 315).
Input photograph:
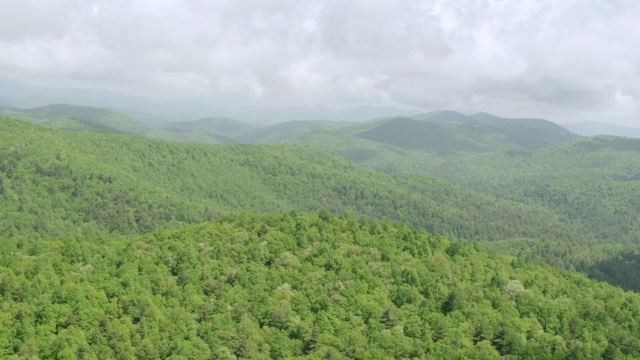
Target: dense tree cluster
point(295, 285)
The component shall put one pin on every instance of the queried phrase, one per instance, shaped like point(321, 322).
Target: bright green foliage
point(292, 285)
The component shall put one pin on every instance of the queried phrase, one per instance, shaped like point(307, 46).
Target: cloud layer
point(567, 59)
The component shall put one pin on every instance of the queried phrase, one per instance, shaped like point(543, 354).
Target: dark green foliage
point(293, 285)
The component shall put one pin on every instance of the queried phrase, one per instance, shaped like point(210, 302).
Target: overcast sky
point(564, 60)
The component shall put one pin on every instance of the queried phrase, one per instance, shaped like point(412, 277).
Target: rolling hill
point(57, 183)
point(450, 132)
point(86, 119)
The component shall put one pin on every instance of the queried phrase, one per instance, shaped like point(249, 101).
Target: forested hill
point(55, 183)
point(449, 132)
point(103, 119)
point(300, 286)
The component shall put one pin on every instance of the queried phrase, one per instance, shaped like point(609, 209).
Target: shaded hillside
point(303, 286)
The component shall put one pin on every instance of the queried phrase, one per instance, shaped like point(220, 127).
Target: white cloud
point(542, 58)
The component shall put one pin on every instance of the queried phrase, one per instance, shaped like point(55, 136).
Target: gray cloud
point(568, 60)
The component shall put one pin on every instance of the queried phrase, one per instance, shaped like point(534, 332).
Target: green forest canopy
point(294, 285)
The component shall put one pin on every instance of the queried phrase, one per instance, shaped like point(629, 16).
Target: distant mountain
point(528, 133)
point(159, 113)
point(95, 119)
point(71, 124)
point(441, 138)
point(447, 132)
point(286, 130)
point(214, 126)
point(209, 130)
point(364, 113)
point(102, 117)
point(595, 128)
point(446, 116)
point(531, 133)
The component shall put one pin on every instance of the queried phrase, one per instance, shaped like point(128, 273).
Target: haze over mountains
point(160, 112)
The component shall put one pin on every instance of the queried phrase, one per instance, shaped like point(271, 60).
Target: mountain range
point(117, 245)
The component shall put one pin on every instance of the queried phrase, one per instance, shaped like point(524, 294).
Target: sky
point(563, 60)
